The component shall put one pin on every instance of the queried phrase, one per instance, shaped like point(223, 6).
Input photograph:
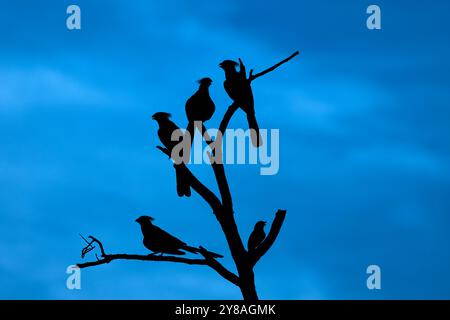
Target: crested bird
point(199, 107)
point(165, 131)
point(257, 236)
point(239, 89)
point(159, 241)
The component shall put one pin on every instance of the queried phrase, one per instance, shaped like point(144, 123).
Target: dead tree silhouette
point(222, 207)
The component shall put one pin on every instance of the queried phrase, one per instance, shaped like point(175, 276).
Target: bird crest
point(260, 224)
point(205, 81)
point(142, 219)
point(228, 64)
point(161, 116)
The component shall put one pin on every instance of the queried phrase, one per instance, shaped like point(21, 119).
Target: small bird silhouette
point(159, 241)
point(257, 236)
point(165, 131)
point(239, 89)
point(199, 107)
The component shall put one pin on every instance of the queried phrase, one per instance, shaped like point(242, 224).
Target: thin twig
point(253, 77)
point(100, 245)
point(89, 247)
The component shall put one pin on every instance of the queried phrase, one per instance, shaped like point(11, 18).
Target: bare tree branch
point(211, 262)
point(253, 77)
point(216, 157)
point(220, 269)
point(226, 217)
point(227, 222)
point(208, 260)
point(226, 119)
point(224, 189)
point(199, 187)
point(271, 237)
point(217, 164)
point(204, 192)
point(124, 256)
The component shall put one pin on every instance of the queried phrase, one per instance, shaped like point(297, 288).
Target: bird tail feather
point(178, 252)
point(191, 129)
point(254, 130)
point(183, 185)
point(197, 250)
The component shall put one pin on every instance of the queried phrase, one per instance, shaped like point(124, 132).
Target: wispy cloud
point(29, 88)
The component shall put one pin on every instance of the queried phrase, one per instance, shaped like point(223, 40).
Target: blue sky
point(364, 142)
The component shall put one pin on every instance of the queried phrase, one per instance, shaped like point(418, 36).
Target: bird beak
point(265, 222)
point(153, 117)
point(221, 65)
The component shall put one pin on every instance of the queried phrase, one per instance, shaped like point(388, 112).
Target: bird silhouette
point(159, 241)
point(165, 131)
point(239, 90)
point(257, 236)
point(199, 107)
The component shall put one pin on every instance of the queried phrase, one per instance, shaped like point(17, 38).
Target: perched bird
point(199, 107)
point(165, 131)
point(239, 90)
point(159, 241)
point(257, 236)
